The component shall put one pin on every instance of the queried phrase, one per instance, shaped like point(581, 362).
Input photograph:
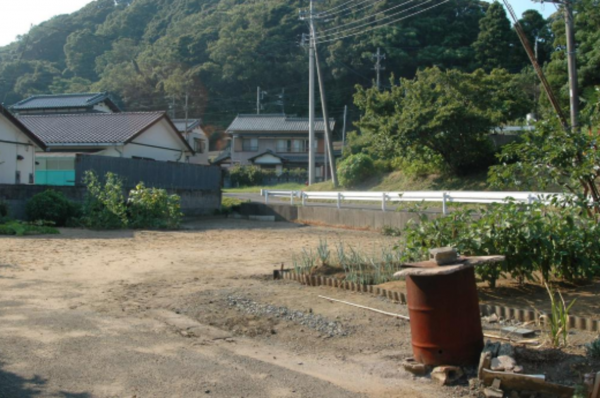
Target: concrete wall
point(193, 202)
point(353, 218)
point(14, 143)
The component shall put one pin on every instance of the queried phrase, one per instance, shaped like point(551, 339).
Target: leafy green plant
point(20, 228)
point(153, 208)
point(53, 206)
point(593, 349)
point(246, 176)
point(558, 319)
point(355, 169)
point(105, 206)
point(391, 231)
point(229, 205)
point(560, 241)
point(323, 251)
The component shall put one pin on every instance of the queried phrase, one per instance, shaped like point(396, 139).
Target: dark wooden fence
point(154, 174)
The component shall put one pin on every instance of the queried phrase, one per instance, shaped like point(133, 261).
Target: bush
point(153, 208)
point(51, 206)
point(355, 169)
point(105, 206)
point(246, 176)
point(558, 241)
point(20, 228)
point(593, 349)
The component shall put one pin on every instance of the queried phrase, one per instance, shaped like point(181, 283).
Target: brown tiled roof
point(275, 123)
point(91, 128)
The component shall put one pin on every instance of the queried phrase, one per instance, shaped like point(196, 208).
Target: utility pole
point(378, 67)
point(187, 135)
point(571, 59)
point(311, 94)
point(258, 100)
point(344, 127)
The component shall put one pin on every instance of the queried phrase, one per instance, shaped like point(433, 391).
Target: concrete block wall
point(193, 202)
point(353, 218)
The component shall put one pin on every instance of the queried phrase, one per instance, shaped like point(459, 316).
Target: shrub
point(593, 349)
point(246, 176)
point(20, 228)
point(105, 206)
point(153, 208)
point(355, 169)
point(51, 206)
point(557, 241)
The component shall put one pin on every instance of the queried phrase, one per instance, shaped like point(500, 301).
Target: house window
point(250, 144)
point(295, 146)
point(199, 145)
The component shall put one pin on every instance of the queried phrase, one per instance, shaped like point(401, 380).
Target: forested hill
point(146, 52)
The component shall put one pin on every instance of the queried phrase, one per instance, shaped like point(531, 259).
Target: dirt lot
point(192, 313)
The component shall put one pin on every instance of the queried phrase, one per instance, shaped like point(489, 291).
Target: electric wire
point(368, 16)
point(371, 23)
point(328, 13)
point(382, 25)
point(339, 14)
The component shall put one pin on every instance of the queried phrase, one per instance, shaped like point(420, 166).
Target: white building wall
point(9, 151)
point(160, 143)
point(199, 158)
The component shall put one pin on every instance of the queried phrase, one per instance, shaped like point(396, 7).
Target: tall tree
point(495, 44)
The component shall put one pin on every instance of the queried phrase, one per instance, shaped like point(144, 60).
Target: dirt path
point(185, 314)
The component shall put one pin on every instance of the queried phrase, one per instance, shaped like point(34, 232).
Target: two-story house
point(274, 141)
point(196, 137)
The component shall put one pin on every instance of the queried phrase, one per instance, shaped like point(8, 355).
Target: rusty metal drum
point(444, 317)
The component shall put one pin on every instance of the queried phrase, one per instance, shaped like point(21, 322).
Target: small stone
point(493, 393)
point(518, 369)
point(416, 368)
point(519, 332)
point(506, 349)
point(492, 318)
point(443, 255)
point(446, 375)
point(503, 363)
point(492, 348)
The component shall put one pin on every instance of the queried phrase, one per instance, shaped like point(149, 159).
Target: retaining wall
point(194, 202)
point(353, 218)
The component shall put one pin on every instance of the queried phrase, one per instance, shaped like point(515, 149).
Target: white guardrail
point(444, 197)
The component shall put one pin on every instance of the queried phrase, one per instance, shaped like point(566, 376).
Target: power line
point(329, 12)
point(352, 10)
point(367, 17)
point(374, 22)
point(384, 24)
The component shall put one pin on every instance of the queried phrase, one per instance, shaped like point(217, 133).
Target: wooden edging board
point(519, 314)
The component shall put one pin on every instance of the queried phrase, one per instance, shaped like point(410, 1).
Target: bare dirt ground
point(192, 313)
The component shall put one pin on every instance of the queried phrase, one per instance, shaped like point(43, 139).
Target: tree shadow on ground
point(15, 386)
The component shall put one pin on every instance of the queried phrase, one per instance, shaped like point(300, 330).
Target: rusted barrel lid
point(432, 268)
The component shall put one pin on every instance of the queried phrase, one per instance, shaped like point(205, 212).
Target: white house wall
point(9, 165)
point(159, 143)
point(199, 158)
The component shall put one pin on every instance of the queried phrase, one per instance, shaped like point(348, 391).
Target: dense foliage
point(560, 241)
point(355, 169)
point(20, 228)
point(51, 206)
point(153, 208)
point(251, 176)
point(444, 113)
point(105, 206)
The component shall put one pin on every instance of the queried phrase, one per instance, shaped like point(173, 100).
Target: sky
point(17, 16)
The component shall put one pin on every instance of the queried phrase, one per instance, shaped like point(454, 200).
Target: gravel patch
point(321, 324)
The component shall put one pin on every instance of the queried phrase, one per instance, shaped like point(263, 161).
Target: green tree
point(81, 50)
point(447, 112)
point(495, 44)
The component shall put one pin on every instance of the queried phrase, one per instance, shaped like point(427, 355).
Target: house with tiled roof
point(18, 146)
point(137, 135)
point(66, 103)
point(274, 141)
point(191, 129)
